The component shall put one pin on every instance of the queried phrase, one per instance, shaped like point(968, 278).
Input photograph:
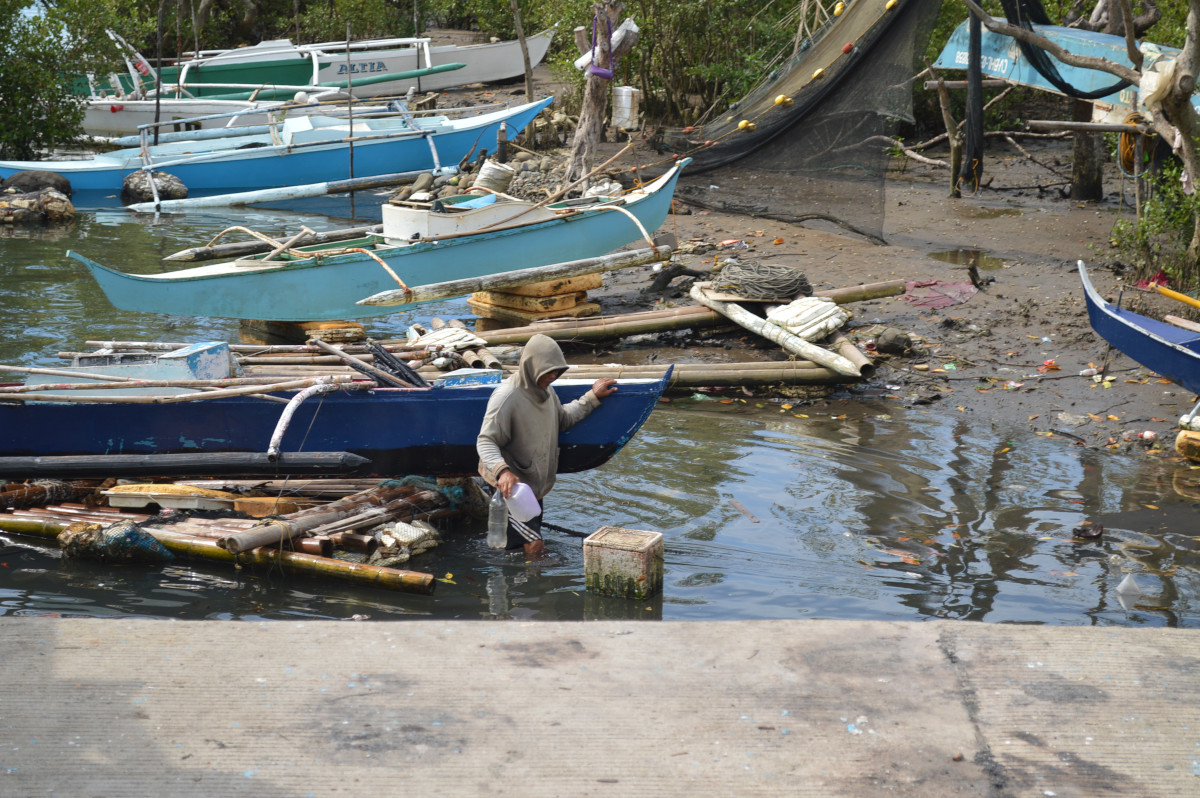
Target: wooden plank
point(526, 317)
point(530, 304)
point(1184, 323)
point(565, 285)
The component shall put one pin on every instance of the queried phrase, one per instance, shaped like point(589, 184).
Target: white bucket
point(495, 175)
point(523, 505)
point(625, 107)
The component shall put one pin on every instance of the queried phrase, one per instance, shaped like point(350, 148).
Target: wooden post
point(607, 13)
point(1087, 157)
point(524, 53)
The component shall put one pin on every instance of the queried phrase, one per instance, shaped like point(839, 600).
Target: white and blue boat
point(304, 149)
point(419, 247)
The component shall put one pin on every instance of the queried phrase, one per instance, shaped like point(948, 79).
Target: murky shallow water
point(873, 513)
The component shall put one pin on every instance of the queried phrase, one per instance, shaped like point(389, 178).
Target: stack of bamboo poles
point(282, 542)
point(526, 304)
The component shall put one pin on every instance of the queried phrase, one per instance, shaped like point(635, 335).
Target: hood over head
point(540, 356)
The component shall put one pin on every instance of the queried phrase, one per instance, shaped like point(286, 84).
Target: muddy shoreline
point(1009, 355)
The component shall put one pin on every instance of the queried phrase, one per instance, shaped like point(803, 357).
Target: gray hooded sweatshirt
point(520, 429)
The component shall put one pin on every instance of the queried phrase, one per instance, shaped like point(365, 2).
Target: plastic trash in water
point(523, 505)
point(1129, 586)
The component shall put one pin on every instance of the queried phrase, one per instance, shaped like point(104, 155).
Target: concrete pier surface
point(611, 708)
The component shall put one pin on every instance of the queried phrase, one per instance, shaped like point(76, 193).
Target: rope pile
point(762, 281)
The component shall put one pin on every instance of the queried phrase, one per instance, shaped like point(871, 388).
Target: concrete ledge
point(133, 707)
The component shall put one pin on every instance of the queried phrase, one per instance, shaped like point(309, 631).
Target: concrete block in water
point(623, 562)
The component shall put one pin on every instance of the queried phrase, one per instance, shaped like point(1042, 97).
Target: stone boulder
point(38, 207)
point(30, 181)
point(136, 187)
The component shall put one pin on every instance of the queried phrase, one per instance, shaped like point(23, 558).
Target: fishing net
point(122, 542)
point(812, 140)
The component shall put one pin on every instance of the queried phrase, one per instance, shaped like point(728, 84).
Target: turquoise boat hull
point(327, 288)
point(246, 163)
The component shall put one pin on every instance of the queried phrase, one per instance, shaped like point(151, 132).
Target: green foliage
point(38, 111)
point(367, 19)
point(1160, 239)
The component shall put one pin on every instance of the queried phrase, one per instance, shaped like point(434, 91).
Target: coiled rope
point(762, 281)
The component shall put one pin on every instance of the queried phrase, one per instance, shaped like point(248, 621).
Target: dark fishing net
point(823, 151)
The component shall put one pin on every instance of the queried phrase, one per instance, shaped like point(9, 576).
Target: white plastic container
point(523, 504)
point(625, 107)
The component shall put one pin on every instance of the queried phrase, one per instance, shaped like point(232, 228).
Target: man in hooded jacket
point(518, 440)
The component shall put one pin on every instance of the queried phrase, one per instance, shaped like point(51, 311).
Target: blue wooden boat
point(303, 149)
point(325, 283)
point(400, 431)
point(1000, 57)
point(1165, 349)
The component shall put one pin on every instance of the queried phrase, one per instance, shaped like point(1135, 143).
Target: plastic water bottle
point(497, 536)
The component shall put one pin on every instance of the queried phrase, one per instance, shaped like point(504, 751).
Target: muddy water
point(858, 509)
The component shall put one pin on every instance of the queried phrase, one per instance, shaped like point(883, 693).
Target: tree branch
point(1083, 61)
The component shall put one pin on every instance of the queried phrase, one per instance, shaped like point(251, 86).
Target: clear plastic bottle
point(497, 536)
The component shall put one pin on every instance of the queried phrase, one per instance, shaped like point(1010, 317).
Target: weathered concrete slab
point(121, 707)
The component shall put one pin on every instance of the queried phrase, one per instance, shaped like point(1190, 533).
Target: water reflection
point(866, 511)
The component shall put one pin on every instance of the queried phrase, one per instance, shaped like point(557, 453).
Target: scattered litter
point(934, 294)
point(1129, 586)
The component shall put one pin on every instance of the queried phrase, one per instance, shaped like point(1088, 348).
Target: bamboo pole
point(124, 385)
point(391, 500)
point(512, 279)
point(239, 249)
point(670, 319)
point(46, 492)
point(841, 344)
point(773, 332)
point(289, 385)
point(249, 349)
point(289, 561)
point(381, 376)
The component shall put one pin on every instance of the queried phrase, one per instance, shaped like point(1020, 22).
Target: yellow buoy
point(838, 9)
point(820, 73)
point(745, 123)
point(890, 5)
point(783, 100)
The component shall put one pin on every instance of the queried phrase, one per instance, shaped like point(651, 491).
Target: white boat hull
point(484, 63)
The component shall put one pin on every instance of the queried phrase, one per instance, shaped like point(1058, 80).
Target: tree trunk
point(1087, 160)
point(595, 93)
